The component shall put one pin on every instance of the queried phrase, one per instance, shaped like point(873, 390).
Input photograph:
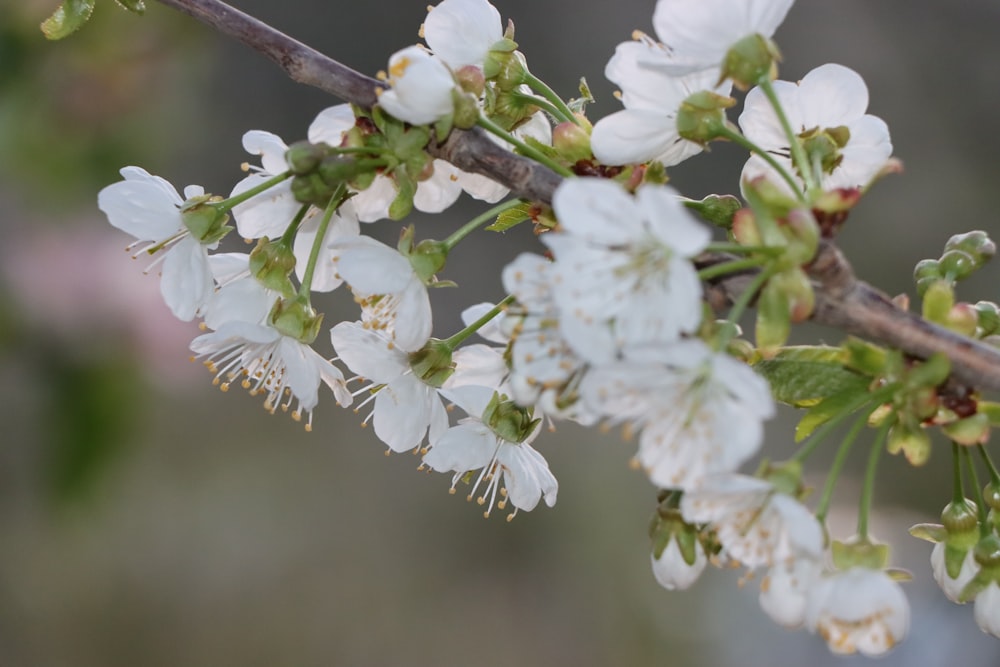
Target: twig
point(842, 301)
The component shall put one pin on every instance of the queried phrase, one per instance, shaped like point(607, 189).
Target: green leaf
point(134, 6)
point(803, 376)
point(67, 19)
point(511, 217)
point(843, 402)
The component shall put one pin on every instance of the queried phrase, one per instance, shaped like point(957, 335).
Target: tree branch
point(842, 301)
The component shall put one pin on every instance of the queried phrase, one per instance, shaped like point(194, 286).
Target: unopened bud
point(572, 142)
point(303, 157)
point(720, 210)
point(963, 319)
point(939, 298)
point(958, 264)
point(471, 79)
point(974, 430)
point(976, 243)
point(988, 314)
point(745, 231)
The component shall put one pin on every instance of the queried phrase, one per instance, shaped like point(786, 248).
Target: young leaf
point(67, 19)
point(511, 217)
point(802, 376)
point(845, 401)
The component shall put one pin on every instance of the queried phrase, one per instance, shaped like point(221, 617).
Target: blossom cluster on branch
point(617, 321)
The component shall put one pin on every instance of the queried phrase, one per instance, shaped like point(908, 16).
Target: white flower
point(987, 609)
point(422, 87)
point(785, 589)
point(858, 610)
point(343, 225)
point(270, 212)
point(672, 571)
point(405, 406)
point(512, 470)
point(240, 296)
point(265, 361)
point(647, 128)
point(699, 411)
point(148, 208)
point(952, 588)
point(541, 360)
point(461, 32)
point(393, 298)
point(756, 524)
point(698, 33)
point(623, 261)
point(828, 97)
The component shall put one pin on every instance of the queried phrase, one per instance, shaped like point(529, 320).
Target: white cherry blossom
point(622, 273)
point(461, 32)
point(393, 298)
point(952, 588)
point(421, 87)
point(829, 96)
point(757, 525)
point(148, 208)
point(513, 471)
point(697, 412)
point(405, 406)
point(672, 571)
point(646, 129)
point(987, 609)
point(698, 33)
point(858, 610)
point(785, 590)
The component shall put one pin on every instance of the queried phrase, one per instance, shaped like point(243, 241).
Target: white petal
point(596, 209)
point(368, 353)
point(439, 191)
point(402, 413)
point(343, 224)
point(268, 213)
point(371, 267)
point(831, 95)
point(270, 148)
point(142, 209)
point(461, 32)
point(186, 283)
point(421, 90)
point(330, 125)
point(468, 446)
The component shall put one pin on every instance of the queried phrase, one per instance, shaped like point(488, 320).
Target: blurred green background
point(146, 519)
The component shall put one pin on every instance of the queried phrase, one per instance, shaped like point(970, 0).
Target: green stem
point(542, 104)
point(542, 88)
point(799, 157)
point(456, 340)
point(525, 149)
point(737, 249)
point(957, 492)
point(320, 240)
point(838, 464)
point(477, 222)
point(293, 227)
point(733, 266)
point(738, 138)
point(994, 475)
point(740, 305)
point(868, 490)
point(977, 495)
point(227, 205)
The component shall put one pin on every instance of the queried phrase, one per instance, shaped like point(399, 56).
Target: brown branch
point(842, 301)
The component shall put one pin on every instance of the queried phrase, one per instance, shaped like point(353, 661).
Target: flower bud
point(958, 264)
point(988, 318)
point(976, 243)
point(303, 157)
point(751, 60)
point(572, 142)
point(720, 210)
point(745, 231)
point(471, 80)
point(963, 318)
point(702, 116)
point(939, 298)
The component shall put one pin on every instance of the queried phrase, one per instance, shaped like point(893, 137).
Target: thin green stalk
point(542, 88)
point(868, 490)
point(227, 205)
point(741, 304)
point(733, 266)
point(994, 475)
point(320, 240)
point(957, 492)
point(872, 400)
point(985, 527)
point(457, 339)
point(737, 249)
point(288, 237)
point(799, 156)
point(477, 222)
point(838, 464)
point(738, 138)
point(525, 149)
point(542, 104)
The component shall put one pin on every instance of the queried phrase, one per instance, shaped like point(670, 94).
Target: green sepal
point(134, 6)
point(930, 373)
point(406, 189)
point(716, 209)
point(509, 420)
point(932, 532)
point(67, 19)
point(830, 407)
point(511, 217)
point(579, 104)
point(206, 223)
point(297, 319)
point(848, 554)
point(271, 263)
point(433, 363)
point(427, 258)
point(972, 430)
point(803, 376)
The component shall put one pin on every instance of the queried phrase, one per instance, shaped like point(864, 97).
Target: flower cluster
point(622, 322)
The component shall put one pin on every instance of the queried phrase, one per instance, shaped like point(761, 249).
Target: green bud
point(987, 552)
point(973, 430)
point(511, 71)
point(271, 262)
point(572, 142)
point(466, 113)
point(337, 169)
point(773, 318)
point(963, 319)
point(702, 116)
point(432, 363)
point(960, 517)
point(958, 264)
point(745, 230)
point(297, 319)
point(803, 237)
point(428, 258)
point(750, 61)
point(509, 420)
point(927, 268)
point(303, 157)
point(988, 318)
point(205, 221)
point(471, 80)
point(938, 301)
point(976, 243)
point(312, 189)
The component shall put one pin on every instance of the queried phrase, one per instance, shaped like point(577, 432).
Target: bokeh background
point(147, 519)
